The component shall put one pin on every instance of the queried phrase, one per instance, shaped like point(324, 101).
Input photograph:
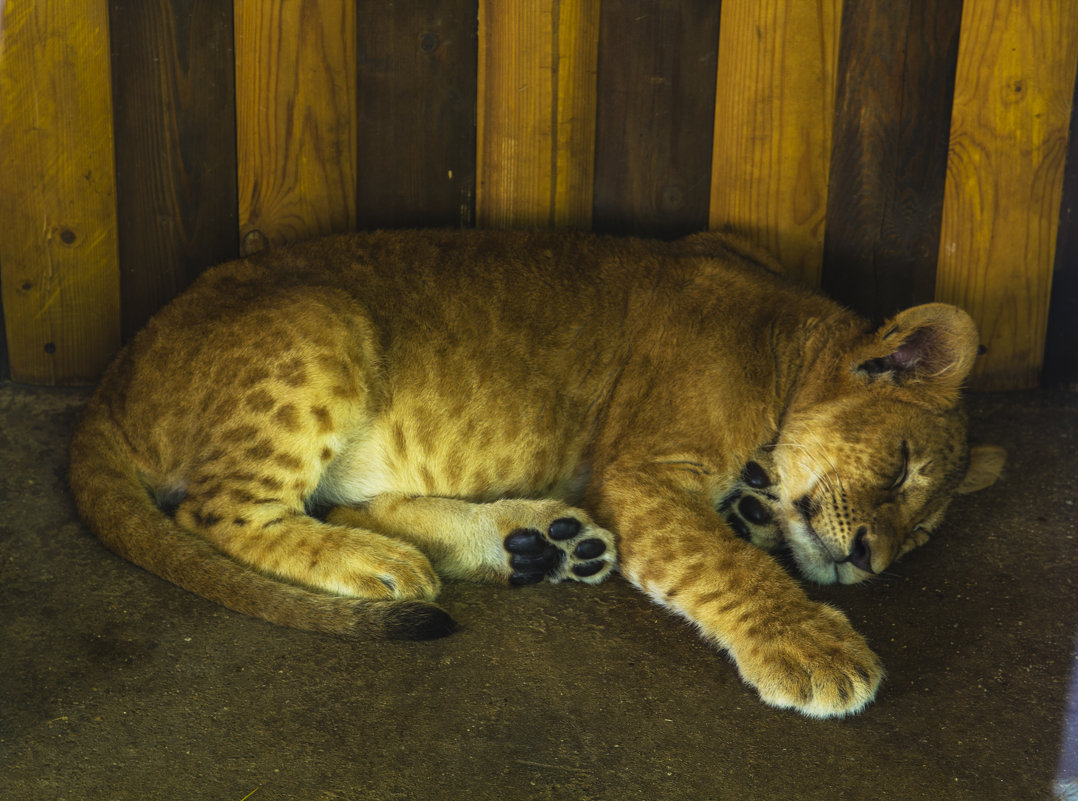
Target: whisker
point(829, 477)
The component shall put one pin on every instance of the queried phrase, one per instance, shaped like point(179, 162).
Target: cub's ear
point(985, 466)
point(932, 346)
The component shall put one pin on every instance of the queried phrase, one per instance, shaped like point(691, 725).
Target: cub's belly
point(473, 460)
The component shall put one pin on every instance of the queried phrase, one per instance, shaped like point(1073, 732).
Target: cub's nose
point(860, 555)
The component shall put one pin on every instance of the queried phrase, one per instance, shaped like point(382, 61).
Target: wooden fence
point(891, 151)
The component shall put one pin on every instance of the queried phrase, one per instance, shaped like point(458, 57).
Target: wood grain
point(172, 69)
point(1013, 92)
point(656, 114)
point(774, 108)
point(416, 80)
point(295, 119)
point(889, 153)
point(536, 112)
point(61, 279)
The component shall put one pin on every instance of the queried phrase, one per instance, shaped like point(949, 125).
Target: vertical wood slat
point(57, 192)
point(773, 114)
point(889, 153)
point(536, 112)
point(172, 73)
point(1061, 341)
point(416, 126)
point(1013, 91)
point(656, 111)
point(295, 119)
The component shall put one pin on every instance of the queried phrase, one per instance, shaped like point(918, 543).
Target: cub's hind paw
point(568, 549)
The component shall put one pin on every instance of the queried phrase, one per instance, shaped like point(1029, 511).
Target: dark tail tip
point(418, 620)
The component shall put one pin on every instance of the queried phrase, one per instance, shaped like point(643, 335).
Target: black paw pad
point(523, 579)
point(525, 541)
point(530, 556)
point(587, 569)
point(565, 549)
point(752, 510)
point(755, 476)
point(589, 549)
point(564, 528)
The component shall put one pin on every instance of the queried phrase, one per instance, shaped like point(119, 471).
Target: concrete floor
point(116, 685)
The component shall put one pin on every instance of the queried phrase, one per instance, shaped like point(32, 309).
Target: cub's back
point(496, 340)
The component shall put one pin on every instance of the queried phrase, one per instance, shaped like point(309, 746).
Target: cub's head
point(870, 453)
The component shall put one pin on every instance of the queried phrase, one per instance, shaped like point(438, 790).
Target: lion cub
point(315, 435)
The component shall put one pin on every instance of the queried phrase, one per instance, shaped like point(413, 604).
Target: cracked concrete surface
point(117, 685)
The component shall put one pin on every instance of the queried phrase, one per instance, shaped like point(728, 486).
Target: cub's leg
point(277, 539)
point(796, 653)
point(515, 540)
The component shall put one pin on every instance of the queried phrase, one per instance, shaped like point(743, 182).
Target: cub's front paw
point(819, 666)
point(567, 549)
point(749, 508)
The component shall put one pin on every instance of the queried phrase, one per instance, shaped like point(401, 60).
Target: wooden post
point(889, 154)
point(1013, 92)
point(536, 112)
point(176, 177)
point(61, 279)
point(656, 112)
point(295, 119)
point(774, 107)
point(417, 89)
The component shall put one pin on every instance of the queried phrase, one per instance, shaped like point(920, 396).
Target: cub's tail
point(120, 511)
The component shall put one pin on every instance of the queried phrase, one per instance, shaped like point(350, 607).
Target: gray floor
point(116, 685)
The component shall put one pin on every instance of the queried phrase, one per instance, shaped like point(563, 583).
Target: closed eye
point(903, 471)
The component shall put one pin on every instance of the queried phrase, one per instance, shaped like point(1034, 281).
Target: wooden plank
point(1061, 339)
point(416, 125)
point(657, 77)
point(774, 108)
point(295, 119)
point(60, 282)
point(889, 153)
point(172, 69)
point(536, 112)
point(1013, 92)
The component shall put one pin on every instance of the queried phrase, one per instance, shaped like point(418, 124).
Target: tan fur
point(315, 434)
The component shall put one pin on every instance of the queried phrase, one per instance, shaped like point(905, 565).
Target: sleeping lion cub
point(318, 434)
